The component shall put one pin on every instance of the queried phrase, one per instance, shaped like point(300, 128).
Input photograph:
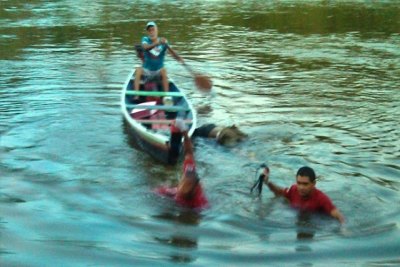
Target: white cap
point(151, 24)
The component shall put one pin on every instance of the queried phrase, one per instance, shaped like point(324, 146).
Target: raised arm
point(278, 191)
point(147, 46)
point(187, 144)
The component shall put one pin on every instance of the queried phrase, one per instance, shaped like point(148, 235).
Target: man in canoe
point(304, 195)
point(189, 192)
point(153, 49)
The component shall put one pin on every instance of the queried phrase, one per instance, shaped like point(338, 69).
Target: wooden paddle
point(203, 82)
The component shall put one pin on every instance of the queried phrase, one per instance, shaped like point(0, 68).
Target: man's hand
point(266, 178)
point(338, 216)
point(181, 125)
point(163, 40)
point(266, 175)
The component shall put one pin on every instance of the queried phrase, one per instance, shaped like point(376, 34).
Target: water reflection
point(305, 228)
point(183, 240)
point(130, 136)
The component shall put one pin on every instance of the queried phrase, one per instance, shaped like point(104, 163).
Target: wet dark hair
point(307, 172)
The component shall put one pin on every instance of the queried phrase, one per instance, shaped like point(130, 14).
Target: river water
point(312, 82)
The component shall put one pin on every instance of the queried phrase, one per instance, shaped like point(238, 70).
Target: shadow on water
point(131, 140)
point(305, 229)
point(182, 241)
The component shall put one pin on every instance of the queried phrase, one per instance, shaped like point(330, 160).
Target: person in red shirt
point(189, 192)
point(304, 195)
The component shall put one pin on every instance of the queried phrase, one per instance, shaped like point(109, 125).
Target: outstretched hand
point(266, 175)
point(181, 125)
point(163, 41)
point(262, 178)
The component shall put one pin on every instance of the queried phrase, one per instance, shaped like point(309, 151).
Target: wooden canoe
point(148, 121)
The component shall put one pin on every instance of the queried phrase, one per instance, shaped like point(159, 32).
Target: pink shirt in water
point(198, 201)
point(316, 202)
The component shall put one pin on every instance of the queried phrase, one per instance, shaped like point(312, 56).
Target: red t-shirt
point(198, 201)
point(316, 202)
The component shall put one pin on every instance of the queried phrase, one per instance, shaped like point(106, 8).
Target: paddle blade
point(203, 83)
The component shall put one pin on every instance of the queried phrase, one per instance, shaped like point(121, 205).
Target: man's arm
point(278, 191)
point(335, 213)
point(187, 144)
point(147, 46)
point(174, 54)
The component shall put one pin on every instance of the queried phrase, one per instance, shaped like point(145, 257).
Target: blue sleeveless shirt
point(153, 58)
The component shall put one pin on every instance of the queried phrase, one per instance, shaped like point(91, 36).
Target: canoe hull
point(159, 142)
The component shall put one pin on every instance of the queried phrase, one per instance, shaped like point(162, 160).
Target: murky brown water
point(312, 83)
